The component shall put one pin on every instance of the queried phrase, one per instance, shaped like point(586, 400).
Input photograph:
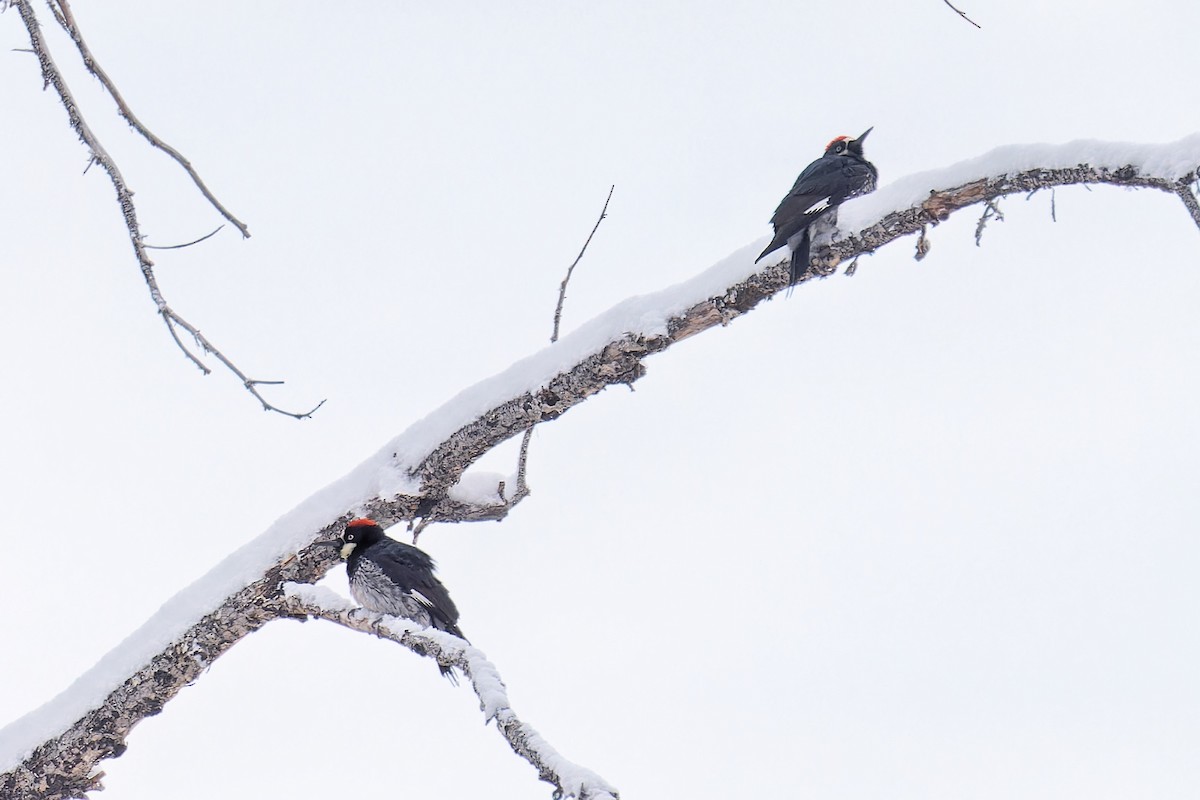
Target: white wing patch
point(818, 206)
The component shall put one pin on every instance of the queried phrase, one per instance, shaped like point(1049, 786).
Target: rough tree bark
point(66, 765)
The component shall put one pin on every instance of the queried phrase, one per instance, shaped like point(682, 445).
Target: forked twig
point(62, 13)
point(522, 489)
point(51, 76)
point(990, 210)
point(433, 508)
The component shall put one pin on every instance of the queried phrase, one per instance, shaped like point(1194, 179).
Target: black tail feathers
point(800, 256)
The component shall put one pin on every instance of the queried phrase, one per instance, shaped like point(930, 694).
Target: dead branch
point(964, 16)
point(52, 76)
point(562, 289)
point(186, 244)
point(432, 509)
point(66, 764)
point(990, 211)
point(1189, 202)
point(567, 778)
point(62, 13)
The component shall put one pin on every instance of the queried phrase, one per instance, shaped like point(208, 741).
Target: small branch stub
point(923, 246)
point(990, 210)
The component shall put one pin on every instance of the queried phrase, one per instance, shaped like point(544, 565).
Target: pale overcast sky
point(929, 532)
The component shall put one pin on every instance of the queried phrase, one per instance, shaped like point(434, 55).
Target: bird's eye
point(349, 537)
point(841, 147)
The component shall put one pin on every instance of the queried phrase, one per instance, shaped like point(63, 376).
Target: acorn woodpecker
point(390, 577)
point(824, 184)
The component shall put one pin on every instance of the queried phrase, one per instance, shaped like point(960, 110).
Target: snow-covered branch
point(568, 778)
point(54, 751)
point(928, 198)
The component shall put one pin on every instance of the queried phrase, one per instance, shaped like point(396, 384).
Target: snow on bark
point(568, 778)
point(53, 751)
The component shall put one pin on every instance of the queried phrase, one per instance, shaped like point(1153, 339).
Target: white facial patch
point(348, 548)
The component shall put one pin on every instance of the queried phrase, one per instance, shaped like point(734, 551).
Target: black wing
point(824, 184)
point(412, 570)
point(815, 184)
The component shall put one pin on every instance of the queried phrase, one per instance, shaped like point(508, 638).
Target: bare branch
point(181, 246)
point(964, 16)
point(51, 76)
point(567, 778)
point(62, 13)
point(433, 509)
point(66, 763)
point(990, 210)
point(562, 289)
point(1189, 202)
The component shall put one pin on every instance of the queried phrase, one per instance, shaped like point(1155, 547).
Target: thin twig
point(51, 76)
point(189, 244)
point(562, 289)
point(428, 510)
point(990, 210)
point(523, 459)
point(964, 16)
point(62, 13)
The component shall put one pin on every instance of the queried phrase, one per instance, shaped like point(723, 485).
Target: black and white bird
point(824, 184)
point(390, 577)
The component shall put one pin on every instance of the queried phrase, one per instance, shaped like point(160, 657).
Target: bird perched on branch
point(824, 184)
point(390, 577)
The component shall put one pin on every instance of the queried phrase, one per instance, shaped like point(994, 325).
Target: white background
point(929, 532)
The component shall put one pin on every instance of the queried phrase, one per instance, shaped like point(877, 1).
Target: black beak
point(329, 543)
point(863, 135)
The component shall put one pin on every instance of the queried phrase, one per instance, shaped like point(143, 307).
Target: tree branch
point(990, 211)
point(964, 16)
point(1189, 202)
point(567, 778)
point(562, 289)
point(62, 13)
point(432, 509)
point(51, 76)
point(433, 454)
